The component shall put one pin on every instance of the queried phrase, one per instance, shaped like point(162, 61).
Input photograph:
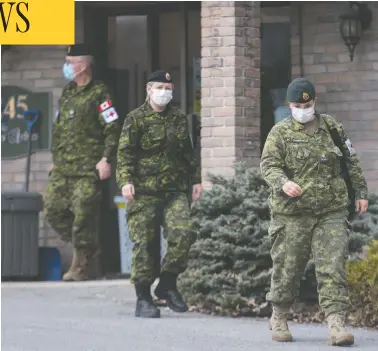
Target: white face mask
point(161, 97)
point(303, 115)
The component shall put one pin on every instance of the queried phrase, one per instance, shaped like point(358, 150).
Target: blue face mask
point(68, 71)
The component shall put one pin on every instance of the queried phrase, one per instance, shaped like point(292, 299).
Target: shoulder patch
point(105, 105)
point(352, 151)
point(110, 115)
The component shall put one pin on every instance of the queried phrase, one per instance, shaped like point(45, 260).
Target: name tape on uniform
point(108, 112)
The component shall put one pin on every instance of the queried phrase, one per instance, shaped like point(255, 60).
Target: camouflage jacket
point(155, 152)
point(313, 162)
point(82, 135)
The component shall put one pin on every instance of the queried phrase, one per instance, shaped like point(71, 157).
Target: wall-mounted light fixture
point(353, 22)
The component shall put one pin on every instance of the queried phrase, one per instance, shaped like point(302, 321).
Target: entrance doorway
point(275, 74)
point(130, 40)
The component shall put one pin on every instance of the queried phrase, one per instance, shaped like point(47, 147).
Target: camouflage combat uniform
point(155, 154)
point(81, 137)
point(316, 221)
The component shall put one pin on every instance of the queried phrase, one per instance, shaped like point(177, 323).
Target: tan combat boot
point(79, 267)
point(338, 335)
point(278, 325)
point(75, 260)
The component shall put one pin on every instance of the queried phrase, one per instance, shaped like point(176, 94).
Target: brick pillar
point(230, 73)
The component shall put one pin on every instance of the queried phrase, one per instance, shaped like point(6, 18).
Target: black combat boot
point(167, 290)
point(145, 307)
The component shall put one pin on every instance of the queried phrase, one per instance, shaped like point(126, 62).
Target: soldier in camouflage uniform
point(308, 203)
point(85, 137)
point(155, 167)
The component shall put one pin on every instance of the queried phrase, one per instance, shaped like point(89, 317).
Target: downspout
point(300, 32)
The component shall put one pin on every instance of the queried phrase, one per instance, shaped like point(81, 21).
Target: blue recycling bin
point(50, 264)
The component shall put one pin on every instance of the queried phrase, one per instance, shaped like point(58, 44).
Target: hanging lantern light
point(353, 22)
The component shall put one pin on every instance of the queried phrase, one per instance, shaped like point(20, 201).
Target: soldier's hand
point(104, 169)
point(128, 192)
point(361, 206)
point(197, 192)
point(292, 189)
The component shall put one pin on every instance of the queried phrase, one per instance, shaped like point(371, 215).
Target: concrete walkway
point(98, 316)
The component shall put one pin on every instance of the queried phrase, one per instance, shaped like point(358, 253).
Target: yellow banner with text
point(37, 22)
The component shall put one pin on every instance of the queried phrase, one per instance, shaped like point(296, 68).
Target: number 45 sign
point(14, 136)
point(15, 105)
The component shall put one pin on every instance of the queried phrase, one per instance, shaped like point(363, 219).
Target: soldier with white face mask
point(155, 166)
point(302, 161)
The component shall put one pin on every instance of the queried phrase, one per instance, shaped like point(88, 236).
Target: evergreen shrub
point(230, 266)
point(363, 287)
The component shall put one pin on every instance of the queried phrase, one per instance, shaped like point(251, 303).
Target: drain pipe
point(300, 30)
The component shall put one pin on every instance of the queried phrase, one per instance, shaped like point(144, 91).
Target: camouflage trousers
point(145, 215)
point(294, 239)
point(71, 206)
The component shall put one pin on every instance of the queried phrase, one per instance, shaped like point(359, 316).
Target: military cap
point(79, 50)
point(160, 77)
point(300, 90)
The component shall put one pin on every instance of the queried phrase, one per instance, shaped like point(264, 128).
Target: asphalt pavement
point(99, 316)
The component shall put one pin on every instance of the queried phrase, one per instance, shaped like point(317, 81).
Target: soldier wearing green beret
point(85, 138)
point(155, 166)
point(309, 199)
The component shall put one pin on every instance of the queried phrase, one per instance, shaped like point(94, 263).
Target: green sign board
point(15, 101)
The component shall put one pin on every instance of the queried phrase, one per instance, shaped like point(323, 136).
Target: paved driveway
point(98, 316)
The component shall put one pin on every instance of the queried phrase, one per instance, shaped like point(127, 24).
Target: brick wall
point(346, 90)
point(230, 103)
point(36, 68)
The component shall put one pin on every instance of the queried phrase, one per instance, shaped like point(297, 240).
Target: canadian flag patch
point(105, 105)
point(109, 115)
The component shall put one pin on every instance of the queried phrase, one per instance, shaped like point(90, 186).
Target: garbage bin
point(20, 234)
point(126, 245)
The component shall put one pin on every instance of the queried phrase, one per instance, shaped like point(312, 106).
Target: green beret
point(79, 50)
point(300, 90)
point(160, 77)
